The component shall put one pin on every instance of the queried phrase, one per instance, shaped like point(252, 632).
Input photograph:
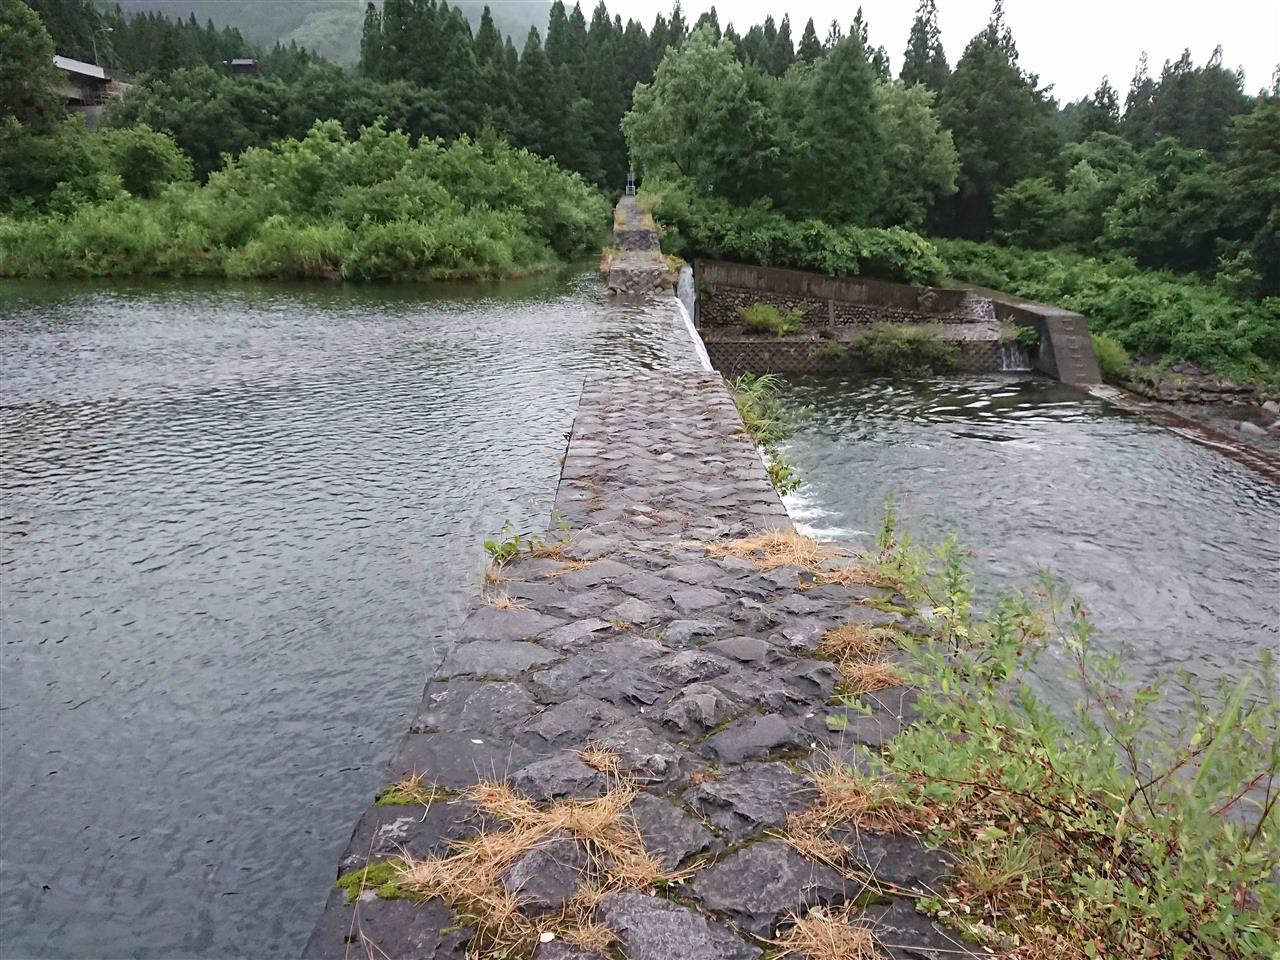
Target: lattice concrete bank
point(639, 666)
point(836, 309)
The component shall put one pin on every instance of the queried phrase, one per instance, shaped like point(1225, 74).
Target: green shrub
point(145, 160)
point(369, 208)
point(698, 225)
point(901, 348)
point(1095, 830)
point(766, 318)
point(1149, 313)
point(1113, 359)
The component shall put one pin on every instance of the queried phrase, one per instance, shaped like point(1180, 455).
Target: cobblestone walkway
point(698, 674)
point(628, 661)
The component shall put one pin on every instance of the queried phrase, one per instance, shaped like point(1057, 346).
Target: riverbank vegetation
point(1157, 222)
point(1156, 217)
point(369, 208)
point(1089, 830)
point(768, 421)
point(888, 348)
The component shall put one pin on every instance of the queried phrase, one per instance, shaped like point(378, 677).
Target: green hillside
point(329, 28)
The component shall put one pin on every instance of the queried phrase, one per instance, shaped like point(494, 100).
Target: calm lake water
point(1174, 549)
point(236, 523)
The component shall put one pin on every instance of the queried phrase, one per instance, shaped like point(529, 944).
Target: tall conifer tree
point(925, 61)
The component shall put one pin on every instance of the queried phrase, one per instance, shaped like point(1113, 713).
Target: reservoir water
point(236, 523)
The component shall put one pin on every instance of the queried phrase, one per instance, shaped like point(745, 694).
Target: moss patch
point(383, 878)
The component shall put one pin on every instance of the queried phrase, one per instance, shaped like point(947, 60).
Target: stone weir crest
point(608, 760)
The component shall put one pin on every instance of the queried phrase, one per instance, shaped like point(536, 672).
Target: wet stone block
point(643, 754)
point(386, 831)
point(473, 705)
point(753, 738)
point(493, 658)
point(558, 777)
point(689, 666)
point(568, 724)
point(455, 760)
point(681, 633)
point(894, 858)
point(913, 936)
point(760, 885)
point(750, 800)
point(546, 877)
point(390, 928)
point(667, 832)
point(654, 929)
point(698, 709)
point(491, 623)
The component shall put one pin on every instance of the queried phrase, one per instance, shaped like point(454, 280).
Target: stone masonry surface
point(699, 674)
point(636, 266)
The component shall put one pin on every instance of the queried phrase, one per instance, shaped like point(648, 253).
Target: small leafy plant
point(767, 420)
point(502, 550)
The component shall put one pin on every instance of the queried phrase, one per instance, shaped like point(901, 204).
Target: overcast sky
point(1071, 45)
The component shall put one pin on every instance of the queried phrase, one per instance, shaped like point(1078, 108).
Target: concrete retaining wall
point(836, 308)
point(736, 355)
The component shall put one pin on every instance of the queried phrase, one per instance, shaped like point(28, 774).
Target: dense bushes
point(373, 207)
point(695, 224)
point(1150, 313)
point(899, 349)
point(766, 318)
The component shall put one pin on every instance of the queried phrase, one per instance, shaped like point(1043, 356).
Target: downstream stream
point(1173, 548)
point(238, 521)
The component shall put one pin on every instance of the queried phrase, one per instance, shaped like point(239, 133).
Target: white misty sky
point(1070, 45)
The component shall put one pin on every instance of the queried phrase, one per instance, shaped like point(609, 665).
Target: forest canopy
point(806, 145)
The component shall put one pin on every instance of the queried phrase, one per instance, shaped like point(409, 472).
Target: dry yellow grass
point(868, 676)
point(603, 760)
point(854, 576)
point(776, 548)
point(553, 550)
point(493, 574)
point(469, 878)
point(847, 798)
point(853, 640)
point(503, 601)
point(572, 565)
point(821, 935)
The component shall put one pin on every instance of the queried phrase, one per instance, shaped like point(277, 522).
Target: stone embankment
point(636, 267)
point(631, 664)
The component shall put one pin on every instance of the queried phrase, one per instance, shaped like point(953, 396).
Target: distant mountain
point(329, 28)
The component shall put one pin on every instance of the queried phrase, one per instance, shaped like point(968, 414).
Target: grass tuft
point(825, 935)
point(867, 676)
point(411, 791)
point(853, 641)
point(777, 548)
point(469, 877)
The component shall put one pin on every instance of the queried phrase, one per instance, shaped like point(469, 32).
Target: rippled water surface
point(236, 523)
point(1174, 549)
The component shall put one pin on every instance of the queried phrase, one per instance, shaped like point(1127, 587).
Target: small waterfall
point(1014, 357)
point(686, 300)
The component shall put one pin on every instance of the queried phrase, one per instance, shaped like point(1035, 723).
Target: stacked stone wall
point(737, 355)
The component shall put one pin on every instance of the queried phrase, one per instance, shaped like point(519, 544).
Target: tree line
point(1178, 173)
